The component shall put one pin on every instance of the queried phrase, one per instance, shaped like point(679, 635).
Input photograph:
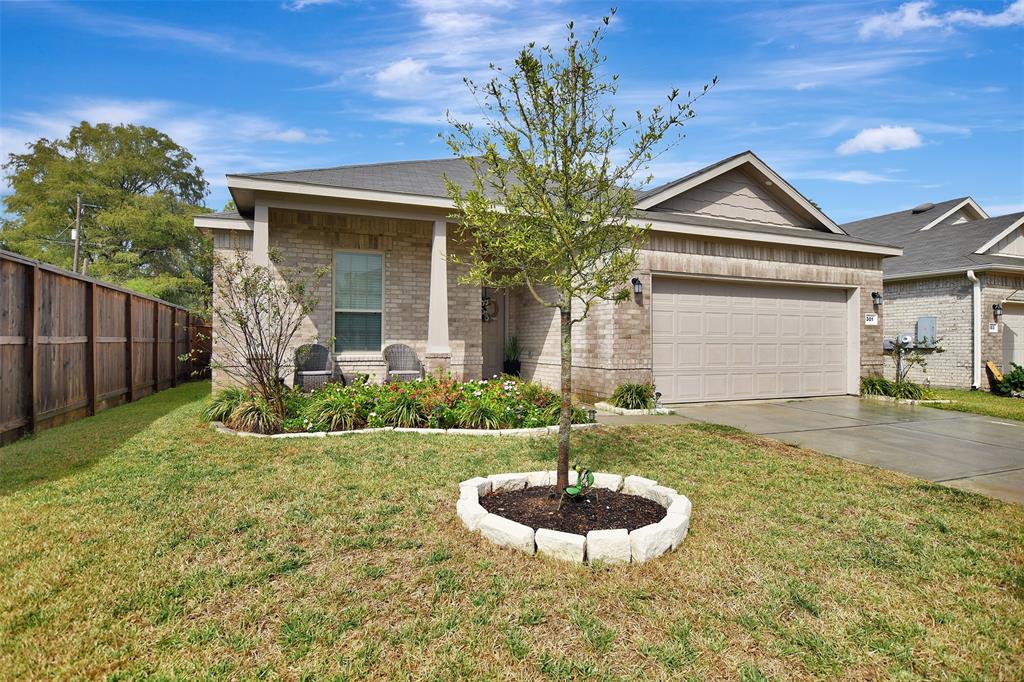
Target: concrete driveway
point(968, 451)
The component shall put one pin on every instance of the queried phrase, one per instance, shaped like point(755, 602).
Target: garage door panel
point(731, 340)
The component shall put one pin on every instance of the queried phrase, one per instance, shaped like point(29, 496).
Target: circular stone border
point(610, 546)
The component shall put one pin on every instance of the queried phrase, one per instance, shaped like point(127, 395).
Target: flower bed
point(492, 505)
point(433, 403)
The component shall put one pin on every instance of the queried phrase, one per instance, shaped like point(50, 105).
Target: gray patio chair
point(312, 366)
point(403, 365)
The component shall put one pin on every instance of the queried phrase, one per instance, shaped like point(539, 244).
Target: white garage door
point(734, 341)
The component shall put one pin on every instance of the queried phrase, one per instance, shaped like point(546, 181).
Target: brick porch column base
point(437, 362)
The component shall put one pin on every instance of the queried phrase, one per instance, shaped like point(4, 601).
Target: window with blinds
point(358, 301)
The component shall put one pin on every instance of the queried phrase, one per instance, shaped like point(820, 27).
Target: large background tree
point(555, 170)
point(145, 189)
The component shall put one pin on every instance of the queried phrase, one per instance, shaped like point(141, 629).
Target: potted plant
point(512, 351)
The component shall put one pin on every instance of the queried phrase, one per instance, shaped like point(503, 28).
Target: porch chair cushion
point(403, 365)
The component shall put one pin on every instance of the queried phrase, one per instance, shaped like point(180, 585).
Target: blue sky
point(866, 107)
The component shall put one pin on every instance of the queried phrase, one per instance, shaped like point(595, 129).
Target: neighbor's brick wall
point(948, 299)
point(996, 288)
point(614, 344)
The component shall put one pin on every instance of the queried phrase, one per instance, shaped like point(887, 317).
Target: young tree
point(257, 312)
point(551, 204)
point(141, 190)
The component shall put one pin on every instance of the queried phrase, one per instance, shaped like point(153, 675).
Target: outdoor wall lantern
point(997, 310)
point(638, 286)
point(876, 298)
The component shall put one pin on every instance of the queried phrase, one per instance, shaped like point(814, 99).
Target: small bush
point(330, 410)
point(875, 385)
point(902, 390)
point(634, 396)
point(223, 404)
point(256, 415)
point(1012, 383)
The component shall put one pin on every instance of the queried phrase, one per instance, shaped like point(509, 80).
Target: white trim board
point(968, 202)
point(999, 237)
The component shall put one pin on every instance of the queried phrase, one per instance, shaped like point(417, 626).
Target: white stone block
point(677, 526)
point(559, 545)
point(680, 505)
point(471, 513)
point(663, 495)
point(535, 479)
point(637, 485)
point(651, 541)
point(610, 546)
point(608, 481)
point(480, 484)
point(506, 533)
point(504, 482)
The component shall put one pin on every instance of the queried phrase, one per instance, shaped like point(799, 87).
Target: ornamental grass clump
point(634, 396)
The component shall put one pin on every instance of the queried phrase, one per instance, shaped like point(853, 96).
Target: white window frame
point(336, 309)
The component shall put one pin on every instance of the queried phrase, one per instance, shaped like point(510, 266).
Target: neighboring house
point(957, 264)
point(748, 290)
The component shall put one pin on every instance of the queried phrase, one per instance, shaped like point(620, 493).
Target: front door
point(493, 311)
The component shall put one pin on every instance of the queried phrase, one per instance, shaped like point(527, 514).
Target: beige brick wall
point(948, 299)
point(309, 240)
point(614, 344)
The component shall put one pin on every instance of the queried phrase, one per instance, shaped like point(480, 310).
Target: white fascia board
point(966, 202)
point(999, 237)
point(263, 185)
point(783, 239)
point(204, 222)
point(743, 159)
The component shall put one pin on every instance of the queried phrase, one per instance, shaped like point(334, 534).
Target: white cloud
point(856, 177)
point(299, 5)
point(881, 139)
point(917, 15)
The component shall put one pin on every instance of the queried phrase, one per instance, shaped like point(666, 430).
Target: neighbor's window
point(358, 301)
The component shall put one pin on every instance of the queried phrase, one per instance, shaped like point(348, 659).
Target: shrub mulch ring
point(600, 510)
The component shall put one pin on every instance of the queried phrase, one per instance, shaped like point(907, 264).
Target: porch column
point(261, 235)
point(437, 325)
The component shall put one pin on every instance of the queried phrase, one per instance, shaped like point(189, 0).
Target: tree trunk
point(565, 419)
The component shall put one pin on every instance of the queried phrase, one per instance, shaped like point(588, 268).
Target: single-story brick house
point(961, 274)
point(748, 290)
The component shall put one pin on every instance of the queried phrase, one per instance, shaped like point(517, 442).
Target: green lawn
point(980, 402)
point(139, 543)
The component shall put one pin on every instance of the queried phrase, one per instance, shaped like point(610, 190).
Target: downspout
point(976, 330)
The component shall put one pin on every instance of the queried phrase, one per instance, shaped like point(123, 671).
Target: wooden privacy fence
point(71, 346)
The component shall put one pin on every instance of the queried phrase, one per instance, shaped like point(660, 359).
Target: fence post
point(174, 347)
point(156, 346)
point(129, 333)
point(35, 313)
point(93, 347)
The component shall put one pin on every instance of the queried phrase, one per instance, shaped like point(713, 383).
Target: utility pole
point(78, 228)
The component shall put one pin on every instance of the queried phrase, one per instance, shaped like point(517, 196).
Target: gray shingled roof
point(424, 177)
point(228, 215)
point(943, 248)
point(640, 196)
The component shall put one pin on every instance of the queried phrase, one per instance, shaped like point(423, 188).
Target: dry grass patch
point(138, 543)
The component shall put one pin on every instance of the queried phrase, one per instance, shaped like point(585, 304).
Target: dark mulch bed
point(600, 510)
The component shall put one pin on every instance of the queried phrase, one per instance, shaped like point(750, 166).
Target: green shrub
point(1012, 383)
point(330, 410)
point(255, 414)
point(223, 403)
point(403, 407)
point(634, 396)
point(476, 414)
point(902, 390)
point(875, 384)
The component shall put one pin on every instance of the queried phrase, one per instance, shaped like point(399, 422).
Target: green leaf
point(572, 491)
point(589, 478)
